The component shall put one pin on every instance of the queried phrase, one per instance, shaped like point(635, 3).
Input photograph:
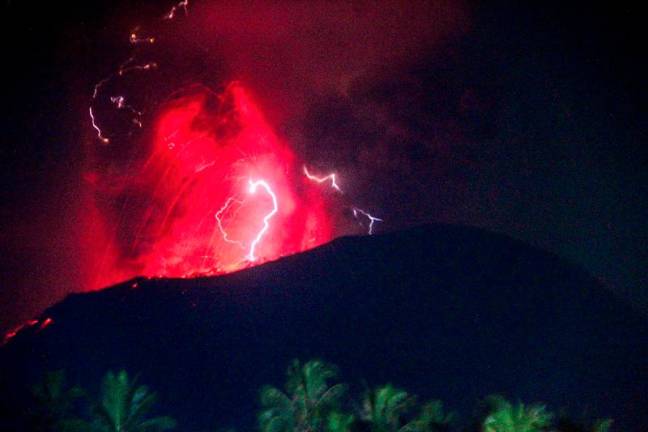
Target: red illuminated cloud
point(218, 191)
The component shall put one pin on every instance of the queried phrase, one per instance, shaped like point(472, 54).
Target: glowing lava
point(194, 207)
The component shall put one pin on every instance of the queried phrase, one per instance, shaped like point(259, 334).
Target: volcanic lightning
point(266, 219)
point(100, 136)
point(330, 177)
point(216, 188)
point(356, 211)
point(126, 67)
point(372, 219)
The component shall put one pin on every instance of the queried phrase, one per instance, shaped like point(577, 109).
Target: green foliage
point(307, 402)
point(55, 403)
point(506, 417)
point(340, 422)
point(124, 406)
point(384, 408)
point(312, 401)
point(432, 418)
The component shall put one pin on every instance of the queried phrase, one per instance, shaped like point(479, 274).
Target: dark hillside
point(448, 312)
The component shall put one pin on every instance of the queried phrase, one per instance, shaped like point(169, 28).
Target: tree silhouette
point(384, 408)
point(506, 417)
point(124, 407)
point(431, 418)
point(306, 404)
point(54, 404)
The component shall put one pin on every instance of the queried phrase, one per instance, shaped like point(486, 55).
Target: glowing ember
point(24, 326)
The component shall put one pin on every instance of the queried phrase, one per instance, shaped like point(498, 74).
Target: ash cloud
point(346, 83)
point(453, 112)
point(504, 117)
point(298, 59)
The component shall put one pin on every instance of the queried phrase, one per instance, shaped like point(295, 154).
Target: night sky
point(524, 120)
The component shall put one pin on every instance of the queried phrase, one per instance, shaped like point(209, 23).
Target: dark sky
point(520, 119)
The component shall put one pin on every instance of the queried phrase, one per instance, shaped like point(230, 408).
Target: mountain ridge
point(445, 311)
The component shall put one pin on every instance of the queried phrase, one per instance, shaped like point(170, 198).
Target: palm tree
point(384, 408)
point(54, 404)
point(307, 402)
point(506, 417)
point(431, 418)
point(338, 421)
point(124, 407)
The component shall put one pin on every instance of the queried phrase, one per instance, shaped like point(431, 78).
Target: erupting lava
point(217, 191)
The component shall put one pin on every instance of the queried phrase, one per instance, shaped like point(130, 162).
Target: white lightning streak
point(102, 138)
point(371, 218)
point(266, 220)
point(317, 179)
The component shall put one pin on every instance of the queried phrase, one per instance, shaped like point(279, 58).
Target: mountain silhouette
point(446, 312)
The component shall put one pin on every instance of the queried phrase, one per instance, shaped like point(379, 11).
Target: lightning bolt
point(266, 219)
point(102, 138)
point(330, 177)
point(357, 211)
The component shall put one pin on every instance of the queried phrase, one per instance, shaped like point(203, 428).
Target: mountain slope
point(444, 311)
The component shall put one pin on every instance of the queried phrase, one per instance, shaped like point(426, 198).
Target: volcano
point(446, 312)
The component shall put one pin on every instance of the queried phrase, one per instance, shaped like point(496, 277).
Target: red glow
point(217, 191)
point(13, 332)
point(46, 323)
point(24, 326)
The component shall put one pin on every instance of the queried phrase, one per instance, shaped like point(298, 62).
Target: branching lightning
point(252, 189)
point(357, 211)
point(204, 168)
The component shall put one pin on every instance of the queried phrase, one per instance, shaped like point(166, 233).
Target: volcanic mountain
point(445, 312)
